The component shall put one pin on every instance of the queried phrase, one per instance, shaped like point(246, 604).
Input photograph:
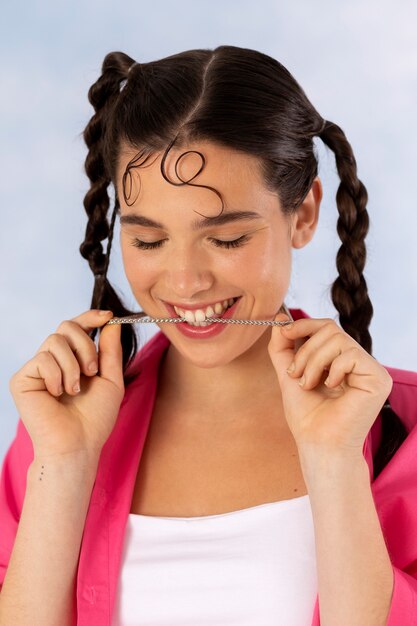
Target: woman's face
point(191, 265)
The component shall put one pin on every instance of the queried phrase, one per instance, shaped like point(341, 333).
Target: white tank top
point(252, 567)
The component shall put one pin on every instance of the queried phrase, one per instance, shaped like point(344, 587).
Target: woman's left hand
point(340, 415)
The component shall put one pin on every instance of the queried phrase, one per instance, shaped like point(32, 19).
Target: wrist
point(320, 463)
point(80, 463)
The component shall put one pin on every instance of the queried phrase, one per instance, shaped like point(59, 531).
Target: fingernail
point(291, 368)
point(287, 326)
point(105, 312)
point(302, 381)
point(92, 367)
point(76, 388)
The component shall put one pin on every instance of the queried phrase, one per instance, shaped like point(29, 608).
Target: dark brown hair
point(244, 100)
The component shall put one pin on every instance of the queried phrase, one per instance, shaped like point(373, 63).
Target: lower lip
point(203, 332)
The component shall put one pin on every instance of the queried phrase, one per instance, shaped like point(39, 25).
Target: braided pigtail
point(103, 95)
point(349, 292)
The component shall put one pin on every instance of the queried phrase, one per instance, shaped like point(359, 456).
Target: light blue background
point(357, 62)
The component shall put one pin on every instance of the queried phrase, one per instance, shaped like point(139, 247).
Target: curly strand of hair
point(139, 160)
point(188, 182)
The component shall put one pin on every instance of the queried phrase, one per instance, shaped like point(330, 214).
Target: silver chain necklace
point(140, 318)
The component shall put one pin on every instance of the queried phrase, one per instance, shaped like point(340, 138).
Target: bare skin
point(218, 431)
point(189, 469)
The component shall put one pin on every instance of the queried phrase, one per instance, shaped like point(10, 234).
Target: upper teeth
point(200, 315)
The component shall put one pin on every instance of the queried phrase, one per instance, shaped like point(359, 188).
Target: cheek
point(270, 267)
point(141, 271)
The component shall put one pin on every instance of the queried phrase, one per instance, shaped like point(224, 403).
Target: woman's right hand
point(71, 422)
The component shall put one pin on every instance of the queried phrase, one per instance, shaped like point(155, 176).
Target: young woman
point(227, 472)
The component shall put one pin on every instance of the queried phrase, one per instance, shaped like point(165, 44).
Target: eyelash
point(235, 243)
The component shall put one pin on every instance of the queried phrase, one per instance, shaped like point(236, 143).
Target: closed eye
point(234, 243)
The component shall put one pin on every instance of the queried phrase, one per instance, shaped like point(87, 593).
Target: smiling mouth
point(199, 317)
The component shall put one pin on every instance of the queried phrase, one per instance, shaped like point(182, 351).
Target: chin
point(212, 354)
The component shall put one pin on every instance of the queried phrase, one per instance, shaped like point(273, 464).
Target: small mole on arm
point(41, 472)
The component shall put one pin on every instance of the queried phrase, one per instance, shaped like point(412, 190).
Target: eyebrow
point(218, 220)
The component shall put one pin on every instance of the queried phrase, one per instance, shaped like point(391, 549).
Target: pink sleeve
point(403, 610)
point(12, 492)
point(396, 492)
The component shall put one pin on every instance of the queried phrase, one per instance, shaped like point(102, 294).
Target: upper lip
point(194, 307)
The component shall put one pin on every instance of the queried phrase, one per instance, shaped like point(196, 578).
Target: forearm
point(355, 577)
point(39, 587)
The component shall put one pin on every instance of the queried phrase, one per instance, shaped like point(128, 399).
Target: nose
point(188, 273)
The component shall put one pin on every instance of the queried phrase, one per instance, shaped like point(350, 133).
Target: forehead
point(235, 175)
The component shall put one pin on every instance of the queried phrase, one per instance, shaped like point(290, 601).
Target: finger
point(93, 318)
point(82, 346)
point(310, 335)
point(110, 354)
point(279, 341)
point(312, 358)
point(280, 349)
point(307, 327)
point(350, 367)
point(40, 373)
point(58, 346)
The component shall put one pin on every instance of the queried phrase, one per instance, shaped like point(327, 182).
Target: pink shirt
point(394, 492)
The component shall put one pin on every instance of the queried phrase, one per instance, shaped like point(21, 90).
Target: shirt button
point(90, 594)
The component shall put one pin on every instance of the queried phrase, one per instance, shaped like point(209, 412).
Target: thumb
point(281, 349)
point(110, 354)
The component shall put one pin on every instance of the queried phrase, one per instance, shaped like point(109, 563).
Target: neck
point(244, 390)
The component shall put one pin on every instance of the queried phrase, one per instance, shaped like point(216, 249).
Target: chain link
point(176, 320)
